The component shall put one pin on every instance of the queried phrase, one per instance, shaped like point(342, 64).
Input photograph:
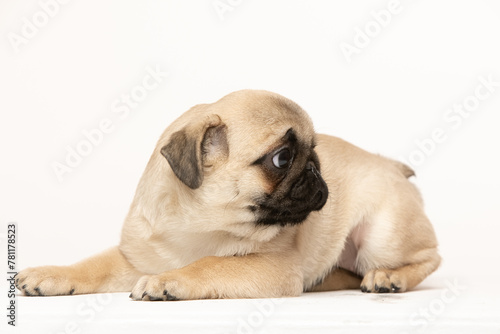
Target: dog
point(242, 199)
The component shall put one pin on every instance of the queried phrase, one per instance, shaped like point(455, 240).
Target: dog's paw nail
point(130, 296)
point(363, 288)
point(24, 286)
point(395, 288)
point(169, 296)
point(72, 291)
point(144, 295)
point(155, 299)
point(383, 290)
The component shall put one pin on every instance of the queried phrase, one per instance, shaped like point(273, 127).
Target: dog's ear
point(194, 147)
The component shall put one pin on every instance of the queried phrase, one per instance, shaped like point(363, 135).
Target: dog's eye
point(282, 158)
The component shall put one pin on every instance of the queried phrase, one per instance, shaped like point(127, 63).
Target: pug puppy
point(242, 199)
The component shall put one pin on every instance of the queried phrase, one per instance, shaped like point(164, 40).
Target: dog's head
point(247, 158)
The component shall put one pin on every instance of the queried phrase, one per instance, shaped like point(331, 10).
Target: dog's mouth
point(273, 216)
point(292, 214)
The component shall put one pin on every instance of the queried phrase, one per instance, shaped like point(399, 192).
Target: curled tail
point(403, 168)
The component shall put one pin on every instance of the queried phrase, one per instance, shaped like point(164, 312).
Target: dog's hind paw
point(383, 281)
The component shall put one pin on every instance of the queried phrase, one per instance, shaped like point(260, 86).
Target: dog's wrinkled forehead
point(256, 120)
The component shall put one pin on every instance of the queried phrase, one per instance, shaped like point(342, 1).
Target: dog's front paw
point(45, 281)
point(383, 281)
point(166, 286)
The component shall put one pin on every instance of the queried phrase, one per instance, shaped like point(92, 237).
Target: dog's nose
point(312, 167)
point(308, 184)
point(320, 198)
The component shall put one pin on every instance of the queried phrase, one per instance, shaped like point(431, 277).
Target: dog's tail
point(405, 169)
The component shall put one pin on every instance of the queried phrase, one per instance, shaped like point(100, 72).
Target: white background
point(394, 92)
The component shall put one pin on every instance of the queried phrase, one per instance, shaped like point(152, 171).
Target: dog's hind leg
point(338, 279)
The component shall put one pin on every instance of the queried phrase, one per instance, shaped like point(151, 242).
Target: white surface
point(438, 306)
point(396, 91)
